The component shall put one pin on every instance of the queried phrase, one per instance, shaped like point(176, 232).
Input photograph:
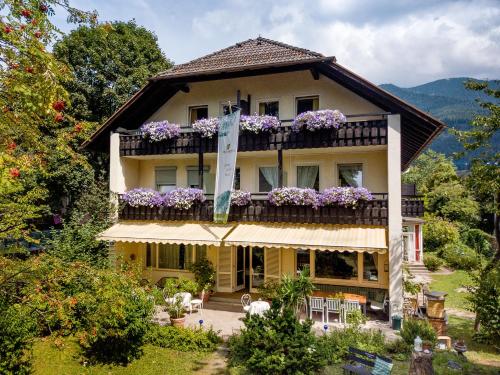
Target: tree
point(109, 64)
point(429, 170)
point(34, 124)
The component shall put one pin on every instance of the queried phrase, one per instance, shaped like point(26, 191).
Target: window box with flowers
point(158, 131)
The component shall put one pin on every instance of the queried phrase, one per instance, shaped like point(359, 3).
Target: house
point(347, 248)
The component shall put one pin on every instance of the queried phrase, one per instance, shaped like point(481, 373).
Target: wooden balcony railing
point(412, 206)
point(356, 133)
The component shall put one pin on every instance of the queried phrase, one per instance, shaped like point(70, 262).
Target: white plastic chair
point(317, 304)
point(350, 306)
point(246, 300)
point(333, 305)
point(197, 303)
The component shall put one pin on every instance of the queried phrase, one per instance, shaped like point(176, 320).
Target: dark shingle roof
point(250, 53)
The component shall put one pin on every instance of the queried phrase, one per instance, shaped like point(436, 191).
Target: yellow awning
point(310, 236)
point(166, 232)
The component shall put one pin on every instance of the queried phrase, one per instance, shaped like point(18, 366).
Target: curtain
point(370, 266)
point(168, 256)
point(271, 175)
point(351, 175)
point(306, 176)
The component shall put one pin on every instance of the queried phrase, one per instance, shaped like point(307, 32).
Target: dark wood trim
point(280, 168)
point(314, 73)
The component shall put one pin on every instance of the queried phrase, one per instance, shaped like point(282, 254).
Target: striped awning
point(310, 236)
point(166, 232)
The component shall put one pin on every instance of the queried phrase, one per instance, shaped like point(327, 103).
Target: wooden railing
point(412, 206)
point(356, 133)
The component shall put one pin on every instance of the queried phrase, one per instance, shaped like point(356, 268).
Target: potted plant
point(176, 313)
point(204, 274)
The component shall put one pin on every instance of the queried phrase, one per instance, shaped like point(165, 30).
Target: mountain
point(449, 101)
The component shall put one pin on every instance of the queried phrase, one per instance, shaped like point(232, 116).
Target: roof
point(251, 52)
point(262, 56)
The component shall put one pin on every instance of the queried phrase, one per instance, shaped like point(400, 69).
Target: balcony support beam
point(395, 220)
point(280, 167)
point(200, 168)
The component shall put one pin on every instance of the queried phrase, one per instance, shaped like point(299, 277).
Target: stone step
point(228, 301)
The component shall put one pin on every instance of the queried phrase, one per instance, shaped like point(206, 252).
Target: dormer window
point(271, 108)
point(306, 103)
point(197, 113)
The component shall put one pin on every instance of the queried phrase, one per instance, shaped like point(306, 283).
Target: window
point(370, 266)
point(197, 113)
point(172, 256)
point(237, 179)
point(351, 175)
point(268, 178)
point(165, 179)
point(309, 103)
point(225, 109)
point(303, 260)
point(193, 176)
point(336, 265)
point(308, 176)
point(269, 108)
point(150, 256)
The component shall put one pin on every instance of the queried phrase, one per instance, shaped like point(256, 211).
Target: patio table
point(259, 307)
point(349, 296)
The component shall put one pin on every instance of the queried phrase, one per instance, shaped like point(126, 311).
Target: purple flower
point(322, 119)
point(143, 197)
point(344, 196)
point(257, 124)
point(160, 130)
point(240, 198)
point(206, 127)
point(183, 198)
point(293, 196)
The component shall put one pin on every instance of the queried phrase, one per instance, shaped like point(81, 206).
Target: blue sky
point(400, 41)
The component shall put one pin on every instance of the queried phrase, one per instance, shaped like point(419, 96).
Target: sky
point(400, 41)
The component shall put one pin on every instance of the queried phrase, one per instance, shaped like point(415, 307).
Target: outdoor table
point(259, 307)
point(346, 296)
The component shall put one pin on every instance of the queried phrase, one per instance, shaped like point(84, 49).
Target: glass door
point(240, 267)
point(256, 267)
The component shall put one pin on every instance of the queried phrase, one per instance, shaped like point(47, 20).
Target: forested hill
point(448, 100)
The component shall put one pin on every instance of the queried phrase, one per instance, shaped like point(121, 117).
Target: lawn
point(49, 360)
point(449, 284)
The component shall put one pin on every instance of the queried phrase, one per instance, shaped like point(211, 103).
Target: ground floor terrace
point(341, 258)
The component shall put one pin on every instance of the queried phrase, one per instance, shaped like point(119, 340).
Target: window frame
point(165, 168)
point(155, 253)
point(299, 97)
point(189, 111)
point(337, 175)
point(267, 100)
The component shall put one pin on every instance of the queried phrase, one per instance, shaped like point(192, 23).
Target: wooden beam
point(314, 73)
point(200, 165)
point(280, 168)
point(185, 89)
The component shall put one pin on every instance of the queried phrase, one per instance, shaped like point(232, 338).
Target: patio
point(225, 316)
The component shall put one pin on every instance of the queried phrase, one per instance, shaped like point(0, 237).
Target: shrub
point(432, 262)
point(438, 232)
point(204, 273)
point(460, 256)
point(417, 327)
point(399, 349)
point(269, 289)
point(334, 345)
point(478, 240)
point(17, 330)
point(183, 339)
point(277, 343)
point(179, 285)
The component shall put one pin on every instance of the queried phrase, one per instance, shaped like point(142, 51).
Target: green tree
point(34, 124)
point(109, 64)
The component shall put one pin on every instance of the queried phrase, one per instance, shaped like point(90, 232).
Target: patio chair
point(197, 303)
point(349, 306)
point(246, 300)
point(333, 305)
point(317, 304)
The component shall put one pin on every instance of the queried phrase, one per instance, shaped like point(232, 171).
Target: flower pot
point(178, 322)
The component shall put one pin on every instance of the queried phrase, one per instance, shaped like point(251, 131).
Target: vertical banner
point(229, 128)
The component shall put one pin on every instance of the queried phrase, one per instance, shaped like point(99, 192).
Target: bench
point(363, 363)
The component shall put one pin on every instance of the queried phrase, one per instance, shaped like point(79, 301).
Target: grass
point(49, 360)
point(449, 284)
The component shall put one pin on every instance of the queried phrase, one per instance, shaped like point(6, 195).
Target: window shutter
point(273, 263)
point(224, 272)
point(166, 176)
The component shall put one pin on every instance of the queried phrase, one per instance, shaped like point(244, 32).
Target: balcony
point(353, 133)
point(260, 210)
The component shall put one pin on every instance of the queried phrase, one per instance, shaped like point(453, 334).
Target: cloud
point(403, 42)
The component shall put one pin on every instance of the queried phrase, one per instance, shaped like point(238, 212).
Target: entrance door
point(408, 247)
point(257, 273)
point(240, 268)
